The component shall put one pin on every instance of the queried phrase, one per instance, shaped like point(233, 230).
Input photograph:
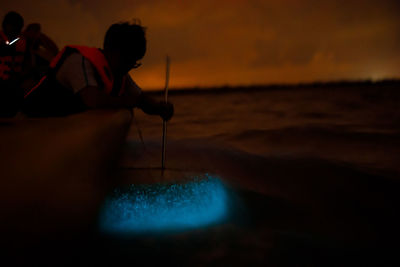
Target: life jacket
point(11, 59)
point(48, 97)
point(99, 62)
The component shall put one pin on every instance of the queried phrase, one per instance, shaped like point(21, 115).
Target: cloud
point(237, 41)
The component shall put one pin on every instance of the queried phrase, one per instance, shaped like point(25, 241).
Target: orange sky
point(237, 42)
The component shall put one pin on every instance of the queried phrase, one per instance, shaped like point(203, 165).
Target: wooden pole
point(164, 137)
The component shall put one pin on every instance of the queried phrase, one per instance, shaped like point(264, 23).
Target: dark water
point(315, 170)
point(312, 174)
point(354, 125)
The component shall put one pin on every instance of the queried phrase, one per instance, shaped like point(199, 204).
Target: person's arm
point(145, 102)
point(78, 74)
point(153, 107)
point(93, 98)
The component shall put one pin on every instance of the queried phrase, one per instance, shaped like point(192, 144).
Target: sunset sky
point(237, 42)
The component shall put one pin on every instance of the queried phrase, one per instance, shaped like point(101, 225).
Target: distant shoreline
point(273, 87)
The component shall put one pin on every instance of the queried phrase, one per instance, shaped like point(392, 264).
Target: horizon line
point(270, 85)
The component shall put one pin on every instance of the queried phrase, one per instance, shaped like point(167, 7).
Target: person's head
point(124, 44)
point(32, 31)
point(12, 24)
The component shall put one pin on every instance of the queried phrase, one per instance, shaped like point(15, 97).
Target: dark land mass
point(335, 85)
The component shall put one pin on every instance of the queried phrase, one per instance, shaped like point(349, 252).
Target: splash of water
point(165, 207)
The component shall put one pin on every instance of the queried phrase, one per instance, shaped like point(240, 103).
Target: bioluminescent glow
point(165, 207)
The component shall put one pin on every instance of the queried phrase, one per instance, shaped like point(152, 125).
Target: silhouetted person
point(84, 78)
point(12, 52)
point(40, 51)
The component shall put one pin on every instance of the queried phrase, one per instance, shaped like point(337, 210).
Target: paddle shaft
point(164, 138)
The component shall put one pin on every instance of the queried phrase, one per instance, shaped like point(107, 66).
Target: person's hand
point(166, 110)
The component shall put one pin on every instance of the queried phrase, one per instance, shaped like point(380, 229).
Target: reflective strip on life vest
point(35, 87)
point(20, 43)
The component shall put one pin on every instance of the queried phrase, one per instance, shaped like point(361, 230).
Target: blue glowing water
point(165, 207)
